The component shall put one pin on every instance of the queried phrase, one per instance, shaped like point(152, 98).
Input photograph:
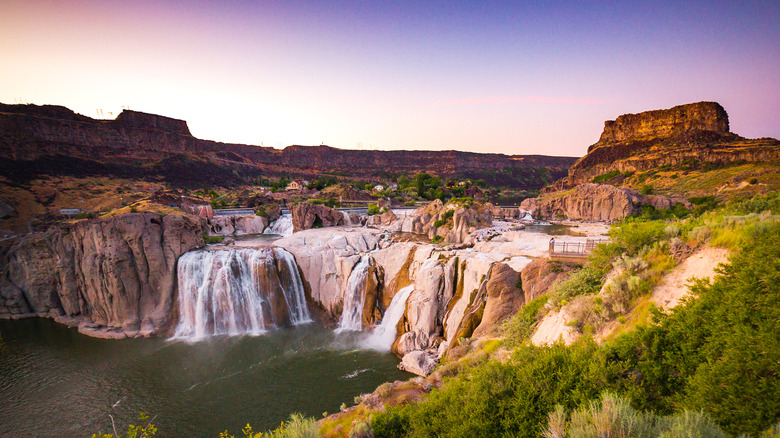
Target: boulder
point(504, 299)
point(306, 215)
point(542, 274)
point(237, 225)
point(421, 363)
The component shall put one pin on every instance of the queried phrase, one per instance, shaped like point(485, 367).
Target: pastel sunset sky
point(515, 77)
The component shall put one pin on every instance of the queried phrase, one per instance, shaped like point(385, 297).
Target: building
point(296, 186)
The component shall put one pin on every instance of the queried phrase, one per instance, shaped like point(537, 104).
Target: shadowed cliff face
point(148, 145)
point(117, 273)
point(697, 131)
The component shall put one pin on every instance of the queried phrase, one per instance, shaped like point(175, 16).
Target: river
point(55, 382)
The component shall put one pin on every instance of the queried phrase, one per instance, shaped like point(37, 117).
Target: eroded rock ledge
point(113, 277)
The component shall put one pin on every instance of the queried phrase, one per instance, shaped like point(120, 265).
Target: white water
point(282, 226)
point(220, 292)
point(347, 219)
point(354, 296)
point(293, 294)
point(383, 336)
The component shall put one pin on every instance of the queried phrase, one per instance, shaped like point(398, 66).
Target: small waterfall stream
point(238, 291)
point(383, 336)
point(352, 314)
point(282, 226)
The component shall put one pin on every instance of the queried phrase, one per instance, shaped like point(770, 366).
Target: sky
point(512, 77)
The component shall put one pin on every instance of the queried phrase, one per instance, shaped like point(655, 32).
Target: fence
point(574, 249)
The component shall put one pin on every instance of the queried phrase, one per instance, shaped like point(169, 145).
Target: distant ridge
point(32, 135)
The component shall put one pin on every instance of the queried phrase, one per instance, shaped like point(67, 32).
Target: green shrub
point(437, 239)
point(373, 209)
point(393, 423)
point(606, 176)
point(521, 326)
point(146, 430)
point(261, 211)
point(212, 239)
point(646, 189)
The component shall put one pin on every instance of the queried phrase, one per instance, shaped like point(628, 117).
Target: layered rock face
point(454, 293)
point(31, 132)
point(237, 225)
point(453, 222)
point(593, 202)
point(306, 215)
point(115, 277)
point(701, 116)
point(697, 131)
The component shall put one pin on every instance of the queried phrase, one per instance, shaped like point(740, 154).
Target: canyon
point(53, 140)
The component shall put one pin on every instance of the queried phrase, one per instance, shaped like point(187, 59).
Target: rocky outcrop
point(326, 260)
point(453, 222)
point(504, 298)
point(115, 277)
point(6, 210)
point(237, 225)
point(385, 219)
point(593, 202)
point(693, 133)
point(306, 216)
point(542, 274)
point(701, 116)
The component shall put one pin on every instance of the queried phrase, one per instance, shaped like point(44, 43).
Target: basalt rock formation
point(113, 277)
point(594, 202)
point(53, 140)
point(306, 215)
point(453, 222)
point(696, 132)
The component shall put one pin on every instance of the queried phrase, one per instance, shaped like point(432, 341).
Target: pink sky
point(508, 77)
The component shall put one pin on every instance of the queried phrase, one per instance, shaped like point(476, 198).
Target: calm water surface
point(55, 382)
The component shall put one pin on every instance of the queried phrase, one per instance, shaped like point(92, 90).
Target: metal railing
point(574, 248)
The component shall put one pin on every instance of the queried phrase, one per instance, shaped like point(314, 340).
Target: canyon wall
point(31, 132)
point(701, 116)
point(113, 277)
point(692, 133)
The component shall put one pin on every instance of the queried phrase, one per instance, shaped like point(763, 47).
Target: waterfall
point(238, 291)
point(352, 314)
point(383, 336)
point(282, 226)
point(347, 219)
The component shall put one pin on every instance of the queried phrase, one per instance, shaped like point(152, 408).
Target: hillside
point(686, 137)
point(53, 140)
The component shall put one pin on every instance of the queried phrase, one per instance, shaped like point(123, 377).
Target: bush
point(437, 239)
point(613, 416)
point(606, 176)
point(394, 423)
point(646, 189)
point(373, 209)
point(212, 239)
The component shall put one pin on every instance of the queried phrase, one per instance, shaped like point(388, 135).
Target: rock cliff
point(306, 215)
point(701, 116)
point(113, 277)
point(593, 202)
point(697, 131)
point(453, 222)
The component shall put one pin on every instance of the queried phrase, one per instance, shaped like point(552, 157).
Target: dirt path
point(700, 264)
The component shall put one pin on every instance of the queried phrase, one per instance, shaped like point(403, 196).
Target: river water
point(55, 382)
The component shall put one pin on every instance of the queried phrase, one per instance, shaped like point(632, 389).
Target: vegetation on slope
point(717, 354)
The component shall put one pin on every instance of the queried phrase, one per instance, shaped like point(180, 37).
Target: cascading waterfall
point(282, 226)
point(383, 336)
point(347, 219)
point(238, 291)
point(352, 314)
